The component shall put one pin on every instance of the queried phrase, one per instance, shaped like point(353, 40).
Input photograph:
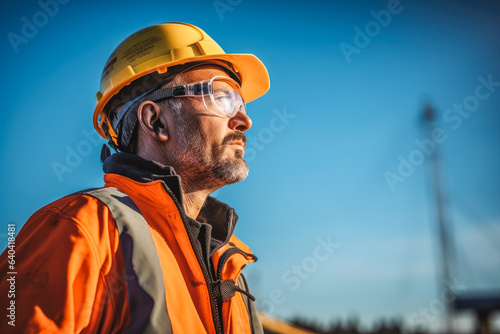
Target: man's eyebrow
point(225, 90)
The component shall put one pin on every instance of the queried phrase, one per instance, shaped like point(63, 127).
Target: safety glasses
point(220, 94)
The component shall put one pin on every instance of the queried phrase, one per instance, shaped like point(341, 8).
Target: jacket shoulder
point(66, 264)
point(76, 216)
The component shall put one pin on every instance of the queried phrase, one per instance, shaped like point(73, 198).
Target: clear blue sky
point(321, 172)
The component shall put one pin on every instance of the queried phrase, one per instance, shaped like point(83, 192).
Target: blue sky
point(320, 174)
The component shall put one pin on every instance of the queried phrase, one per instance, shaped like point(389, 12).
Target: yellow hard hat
point(159, 47)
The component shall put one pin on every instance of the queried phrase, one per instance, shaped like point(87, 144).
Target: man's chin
point(233, 171)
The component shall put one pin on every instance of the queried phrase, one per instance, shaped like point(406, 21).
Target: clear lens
point(225, 95)
point(220, 94)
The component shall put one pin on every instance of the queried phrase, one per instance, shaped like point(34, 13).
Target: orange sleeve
point(70, 276)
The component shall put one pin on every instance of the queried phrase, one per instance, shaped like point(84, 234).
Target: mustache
point(237, 136)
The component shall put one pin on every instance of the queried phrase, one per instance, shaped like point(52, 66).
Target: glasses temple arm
point(165, 93)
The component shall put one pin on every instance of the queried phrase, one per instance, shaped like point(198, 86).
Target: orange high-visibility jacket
point(78, 271)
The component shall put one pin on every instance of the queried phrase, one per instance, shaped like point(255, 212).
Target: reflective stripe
point(253, 314)
point(145, 286)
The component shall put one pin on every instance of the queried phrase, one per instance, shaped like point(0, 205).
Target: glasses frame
point(186, 90)
point(201, 89)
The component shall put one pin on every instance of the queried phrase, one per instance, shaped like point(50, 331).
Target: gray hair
point(129, 126)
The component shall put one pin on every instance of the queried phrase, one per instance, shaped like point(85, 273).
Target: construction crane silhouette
point(482, 304)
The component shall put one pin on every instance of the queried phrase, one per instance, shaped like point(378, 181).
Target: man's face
point(207, 147)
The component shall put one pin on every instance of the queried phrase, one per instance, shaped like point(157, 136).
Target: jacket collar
point(215, 222)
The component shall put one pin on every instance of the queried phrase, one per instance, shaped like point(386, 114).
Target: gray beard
point(231, 171)
point(198, 171)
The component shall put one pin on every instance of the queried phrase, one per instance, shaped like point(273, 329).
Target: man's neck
point(195, 190)
point(193, 201)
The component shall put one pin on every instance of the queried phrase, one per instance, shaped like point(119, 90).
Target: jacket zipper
point(214, 304)
point(225, 257)
point(220, 267)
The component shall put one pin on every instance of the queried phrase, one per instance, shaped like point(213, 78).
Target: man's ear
point(152, 120)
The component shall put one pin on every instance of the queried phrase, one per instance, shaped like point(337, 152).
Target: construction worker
point(151, 251)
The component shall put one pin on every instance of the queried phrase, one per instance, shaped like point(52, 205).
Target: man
point(151, 252)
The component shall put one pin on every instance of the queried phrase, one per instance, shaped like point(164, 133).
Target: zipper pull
point(224, 290)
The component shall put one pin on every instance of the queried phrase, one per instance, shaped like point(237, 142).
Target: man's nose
point(240, 122)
